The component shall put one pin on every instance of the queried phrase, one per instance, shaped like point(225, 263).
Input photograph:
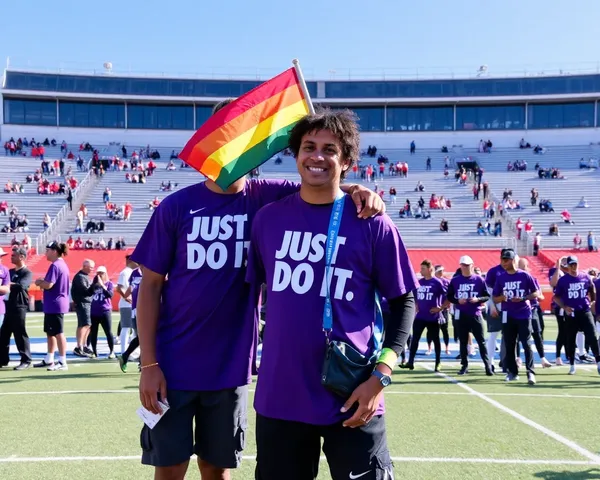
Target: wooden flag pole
point(296, 64)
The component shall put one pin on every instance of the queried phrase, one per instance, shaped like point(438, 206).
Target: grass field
point(61, 425)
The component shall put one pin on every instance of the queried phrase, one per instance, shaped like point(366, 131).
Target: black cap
point(508, 254)
point(52, 245)
point(571, 260)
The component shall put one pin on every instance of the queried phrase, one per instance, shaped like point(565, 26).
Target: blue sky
point(250, 36)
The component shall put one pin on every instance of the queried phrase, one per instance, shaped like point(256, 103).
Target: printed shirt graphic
point(56, 299)
point(288, 253)
point(4, 280)
point(573, 291)
point(134, 281)
point(468, 287)
point(430, 294)
point(200, 239)
point(101, 302)
point(517, 285)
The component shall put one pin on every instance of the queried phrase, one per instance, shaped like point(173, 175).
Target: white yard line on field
point(540, 428)
point(505, 461)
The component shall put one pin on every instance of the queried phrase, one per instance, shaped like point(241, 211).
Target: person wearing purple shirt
point(554, 275)
point(290, 246)
point(101, 310)
point(468, 293)
point(537, 317)
point(439, 273)
point(134, 285)
point(198, 331)
point(574, 293)
point(430, 299)
point(4, 285)
point(514, 289)
point(56, 303)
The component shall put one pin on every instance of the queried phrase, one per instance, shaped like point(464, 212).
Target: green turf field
point(61, 425)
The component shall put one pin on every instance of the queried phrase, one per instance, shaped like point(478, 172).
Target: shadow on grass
point(552, 475)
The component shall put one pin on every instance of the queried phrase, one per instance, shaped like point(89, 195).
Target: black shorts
point(220, 436)
point(53, 323)
point(291, 450)
point(84, 317)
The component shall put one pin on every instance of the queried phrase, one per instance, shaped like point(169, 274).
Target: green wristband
point(388, 357)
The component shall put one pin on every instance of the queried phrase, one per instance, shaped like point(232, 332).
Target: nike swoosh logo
point(192, 212)
point(352, 477)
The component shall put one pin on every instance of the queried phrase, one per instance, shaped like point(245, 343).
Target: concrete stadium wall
point(178, 138)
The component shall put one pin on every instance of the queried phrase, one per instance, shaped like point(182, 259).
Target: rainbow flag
point(247, 132)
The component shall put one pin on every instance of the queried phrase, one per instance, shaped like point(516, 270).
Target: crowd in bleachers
point(100, 244)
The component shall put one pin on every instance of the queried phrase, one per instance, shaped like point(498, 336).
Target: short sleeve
point(123, 280)
point(271, 190)
point(535, 286)
point(392, 270)
point(5, 277)
point(156, 248)
point(255, 270)
point(52, 274)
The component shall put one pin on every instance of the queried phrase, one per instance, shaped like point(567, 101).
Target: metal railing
point(82, 189)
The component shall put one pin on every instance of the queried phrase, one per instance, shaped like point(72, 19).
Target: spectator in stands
point(70, 199)
point(498, 228)
point(546, 206)
point(413, 147)
point(4, 207)
point(480, 229)
point(70, 243)
point(420, 187)
point(524, 144)
point(393, 195)
point(582, 203)
point(591, 242)
point(89, 244)
point(154, 203)
point(171, 166)
point(577, 242)
point(566, 217)
point(553, 230)
point(128, 209)
point(101, 244)
point(537, 243)
point(528, 227)
point(120, 244)
point(106, 195)
point(534, 197)
point(110, 244)
point(46, 221)
point(444, 226)
point(78, 244)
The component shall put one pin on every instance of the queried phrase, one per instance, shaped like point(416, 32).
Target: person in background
point(16, 311)
point(4, 285)
point(134, 281)
point(82, 293)
point(56, 303)
point(125, 324)
point(101, 311)
point(575, 292)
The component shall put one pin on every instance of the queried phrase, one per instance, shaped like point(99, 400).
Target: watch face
point(386, 380)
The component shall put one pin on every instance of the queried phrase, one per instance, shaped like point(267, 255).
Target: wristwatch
point(385, 380)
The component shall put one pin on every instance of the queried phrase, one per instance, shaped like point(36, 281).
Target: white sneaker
point(111, 356)
point(531, 379)
point(546, 363)
point(58, 366)
point(558, 362)
point(572, 370)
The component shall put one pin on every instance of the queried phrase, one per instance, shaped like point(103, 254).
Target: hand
point(462, 301)
point(38, 282)
point(152, 382)
point(367, 395)
point(435, 310)
point(129, 300)
point(495, 313)
point(368, 203)
point(568, 310)
point(474, 300)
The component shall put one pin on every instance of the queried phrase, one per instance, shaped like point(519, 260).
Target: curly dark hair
point(341, 123)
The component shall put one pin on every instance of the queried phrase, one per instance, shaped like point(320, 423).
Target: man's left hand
point(368, 203)
point(367, 395)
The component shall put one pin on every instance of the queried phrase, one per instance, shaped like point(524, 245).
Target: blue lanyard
point(332, 234)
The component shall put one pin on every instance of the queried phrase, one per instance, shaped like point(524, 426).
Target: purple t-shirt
point(550, 275)
point(4, 280)
point(430, 294)
point(468, 287)
point(207, 320)
point(134, 282)
point(573, 291)
point(288, 254)
point(492, 275)
point(56, 299)
point(101, 301)
point(517, 285)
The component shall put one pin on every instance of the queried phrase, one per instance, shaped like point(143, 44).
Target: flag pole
point(296, 64)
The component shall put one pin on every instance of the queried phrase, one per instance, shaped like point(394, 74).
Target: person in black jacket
point(16, 311)
point(82, 292)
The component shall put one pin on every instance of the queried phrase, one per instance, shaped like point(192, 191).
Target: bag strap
point(332, 234)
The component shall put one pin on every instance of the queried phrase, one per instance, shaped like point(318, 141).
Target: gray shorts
point(84, 318)
point(220, 436)
point(126, 321)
